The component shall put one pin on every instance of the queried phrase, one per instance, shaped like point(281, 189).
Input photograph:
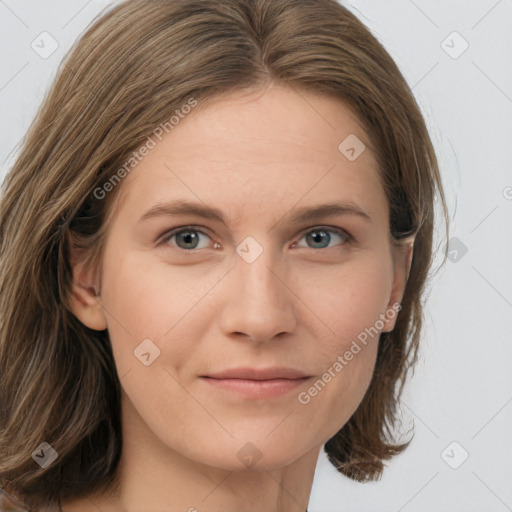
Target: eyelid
point(165, 236)
point(339, 231)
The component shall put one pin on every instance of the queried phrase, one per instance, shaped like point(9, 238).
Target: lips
point(256, 383)
point(248, 373)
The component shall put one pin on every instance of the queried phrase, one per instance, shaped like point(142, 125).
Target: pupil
point(318, 235)
point(188, 237)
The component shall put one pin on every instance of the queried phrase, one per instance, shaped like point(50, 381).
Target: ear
point(402, 260)
point(84, 296)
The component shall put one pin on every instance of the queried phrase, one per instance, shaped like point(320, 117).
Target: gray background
point(461, 391)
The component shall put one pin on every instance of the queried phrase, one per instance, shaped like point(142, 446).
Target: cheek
point(139, 305)
point(350, 299)
point(145, 299)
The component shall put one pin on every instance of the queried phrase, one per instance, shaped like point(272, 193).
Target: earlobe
point(402, 257)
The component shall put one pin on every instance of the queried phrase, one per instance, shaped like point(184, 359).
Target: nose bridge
point(256, 275)
point(259, 304)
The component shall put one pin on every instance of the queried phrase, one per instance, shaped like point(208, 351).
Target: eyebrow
point(296, 216)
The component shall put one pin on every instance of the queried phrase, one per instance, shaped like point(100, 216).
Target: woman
point(214, 245)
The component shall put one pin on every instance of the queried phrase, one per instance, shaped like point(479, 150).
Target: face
point(260, 285)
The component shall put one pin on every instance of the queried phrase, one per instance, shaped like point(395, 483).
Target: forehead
point(290, 122)
point(269, 148)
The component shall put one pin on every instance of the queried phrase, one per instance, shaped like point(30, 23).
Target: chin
point(250, 454)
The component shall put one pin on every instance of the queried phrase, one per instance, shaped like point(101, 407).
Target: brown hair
point(140, 62)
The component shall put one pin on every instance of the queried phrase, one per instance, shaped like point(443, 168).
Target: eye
point(187, 238)
point(320, 237)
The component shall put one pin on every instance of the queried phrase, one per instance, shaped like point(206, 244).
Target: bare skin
point(258, 156)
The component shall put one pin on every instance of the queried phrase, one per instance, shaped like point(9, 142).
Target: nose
point(259, 302)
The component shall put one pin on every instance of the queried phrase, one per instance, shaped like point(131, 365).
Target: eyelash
point(165, 237)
